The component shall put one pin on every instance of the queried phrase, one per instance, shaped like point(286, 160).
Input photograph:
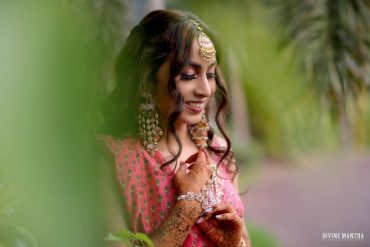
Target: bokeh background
point(299, 76)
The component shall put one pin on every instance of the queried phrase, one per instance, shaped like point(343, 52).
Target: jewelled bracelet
point(210, 195)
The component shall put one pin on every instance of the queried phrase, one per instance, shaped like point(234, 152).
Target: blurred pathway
point(298, 204)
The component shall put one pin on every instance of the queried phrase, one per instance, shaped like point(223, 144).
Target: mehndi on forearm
point(174, 230)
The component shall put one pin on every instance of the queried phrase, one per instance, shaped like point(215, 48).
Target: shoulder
point(218, 143)
point(127, 152)
point(118, 147)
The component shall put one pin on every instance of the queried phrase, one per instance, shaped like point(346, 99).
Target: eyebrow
point(197, 65)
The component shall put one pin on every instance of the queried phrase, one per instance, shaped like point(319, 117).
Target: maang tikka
point(199, 132)
point(149, 128)
point(207, 49)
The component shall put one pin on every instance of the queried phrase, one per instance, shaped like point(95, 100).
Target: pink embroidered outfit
point(148, 191)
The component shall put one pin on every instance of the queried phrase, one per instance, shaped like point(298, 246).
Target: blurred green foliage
point(331, 43)
point(50, 65)
point(12, 234)
point(260, 237)
point(130, 238)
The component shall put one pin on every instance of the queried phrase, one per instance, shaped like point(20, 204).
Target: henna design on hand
point(226, 228)
point(176, 227)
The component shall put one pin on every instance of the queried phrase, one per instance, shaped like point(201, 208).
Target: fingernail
point(200, 220)
point(218, 216)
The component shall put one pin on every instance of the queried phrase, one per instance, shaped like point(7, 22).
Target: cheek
point(184, 89)
point(213, 87)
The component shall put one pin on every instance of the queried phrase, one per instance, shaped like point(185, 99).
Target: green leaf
point(112, 237)
point(143, 237)
point(127, 236)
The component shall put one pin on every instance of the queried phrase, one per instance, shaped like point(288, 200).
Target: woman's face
point(196, 83)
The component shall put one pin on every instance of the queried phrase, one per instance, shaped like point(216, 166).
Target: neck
point(182, 132)
point(170, 146)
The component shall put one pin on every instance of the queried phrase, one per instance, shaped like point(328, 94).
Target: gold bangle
point(242, 242)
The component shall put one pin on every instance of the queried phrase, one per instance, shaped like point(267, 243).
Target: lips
point(195, 106)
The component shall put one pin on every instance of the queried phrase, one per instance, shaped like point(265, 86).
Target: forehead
point(195, 55)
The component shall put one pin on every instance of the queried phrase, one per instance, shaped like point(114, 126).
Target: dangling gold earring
point(199, 132)
point(149, 128)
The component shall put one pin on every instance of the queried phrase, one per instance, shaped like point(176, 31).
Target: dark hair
point(161, 35)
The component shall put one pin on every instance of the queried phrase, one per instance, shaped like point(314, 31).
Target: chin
point(191, 120)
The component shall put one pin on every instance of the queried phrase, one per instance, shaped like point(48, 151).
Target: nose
point(203, 88)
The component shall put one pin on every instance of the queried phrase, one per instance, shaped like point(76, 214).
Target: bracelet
point(210, 195)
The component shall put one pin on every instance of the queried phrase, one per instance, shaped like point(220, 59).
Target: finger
point(201, 219)
point(218, 209)
point(204, 217)
point(190, 165)
point(228, 216)
point(182, 170)
point(223, 207)
point(192, 158)
point(200, 161)
point(208, 157)
point(204, 152)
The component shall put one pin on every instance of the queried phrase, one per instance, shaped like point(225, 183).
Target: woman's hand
point(196, 177)
point(176, 227)
point(192, 179)
point(223, 226)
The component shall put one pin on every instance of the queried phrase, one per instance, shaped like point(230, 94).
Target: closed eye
point(188, 77)
point(211, 75)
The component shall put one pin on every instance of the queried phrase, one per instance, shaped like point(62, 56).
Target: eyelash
point(193, 76)
point(188, 77)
